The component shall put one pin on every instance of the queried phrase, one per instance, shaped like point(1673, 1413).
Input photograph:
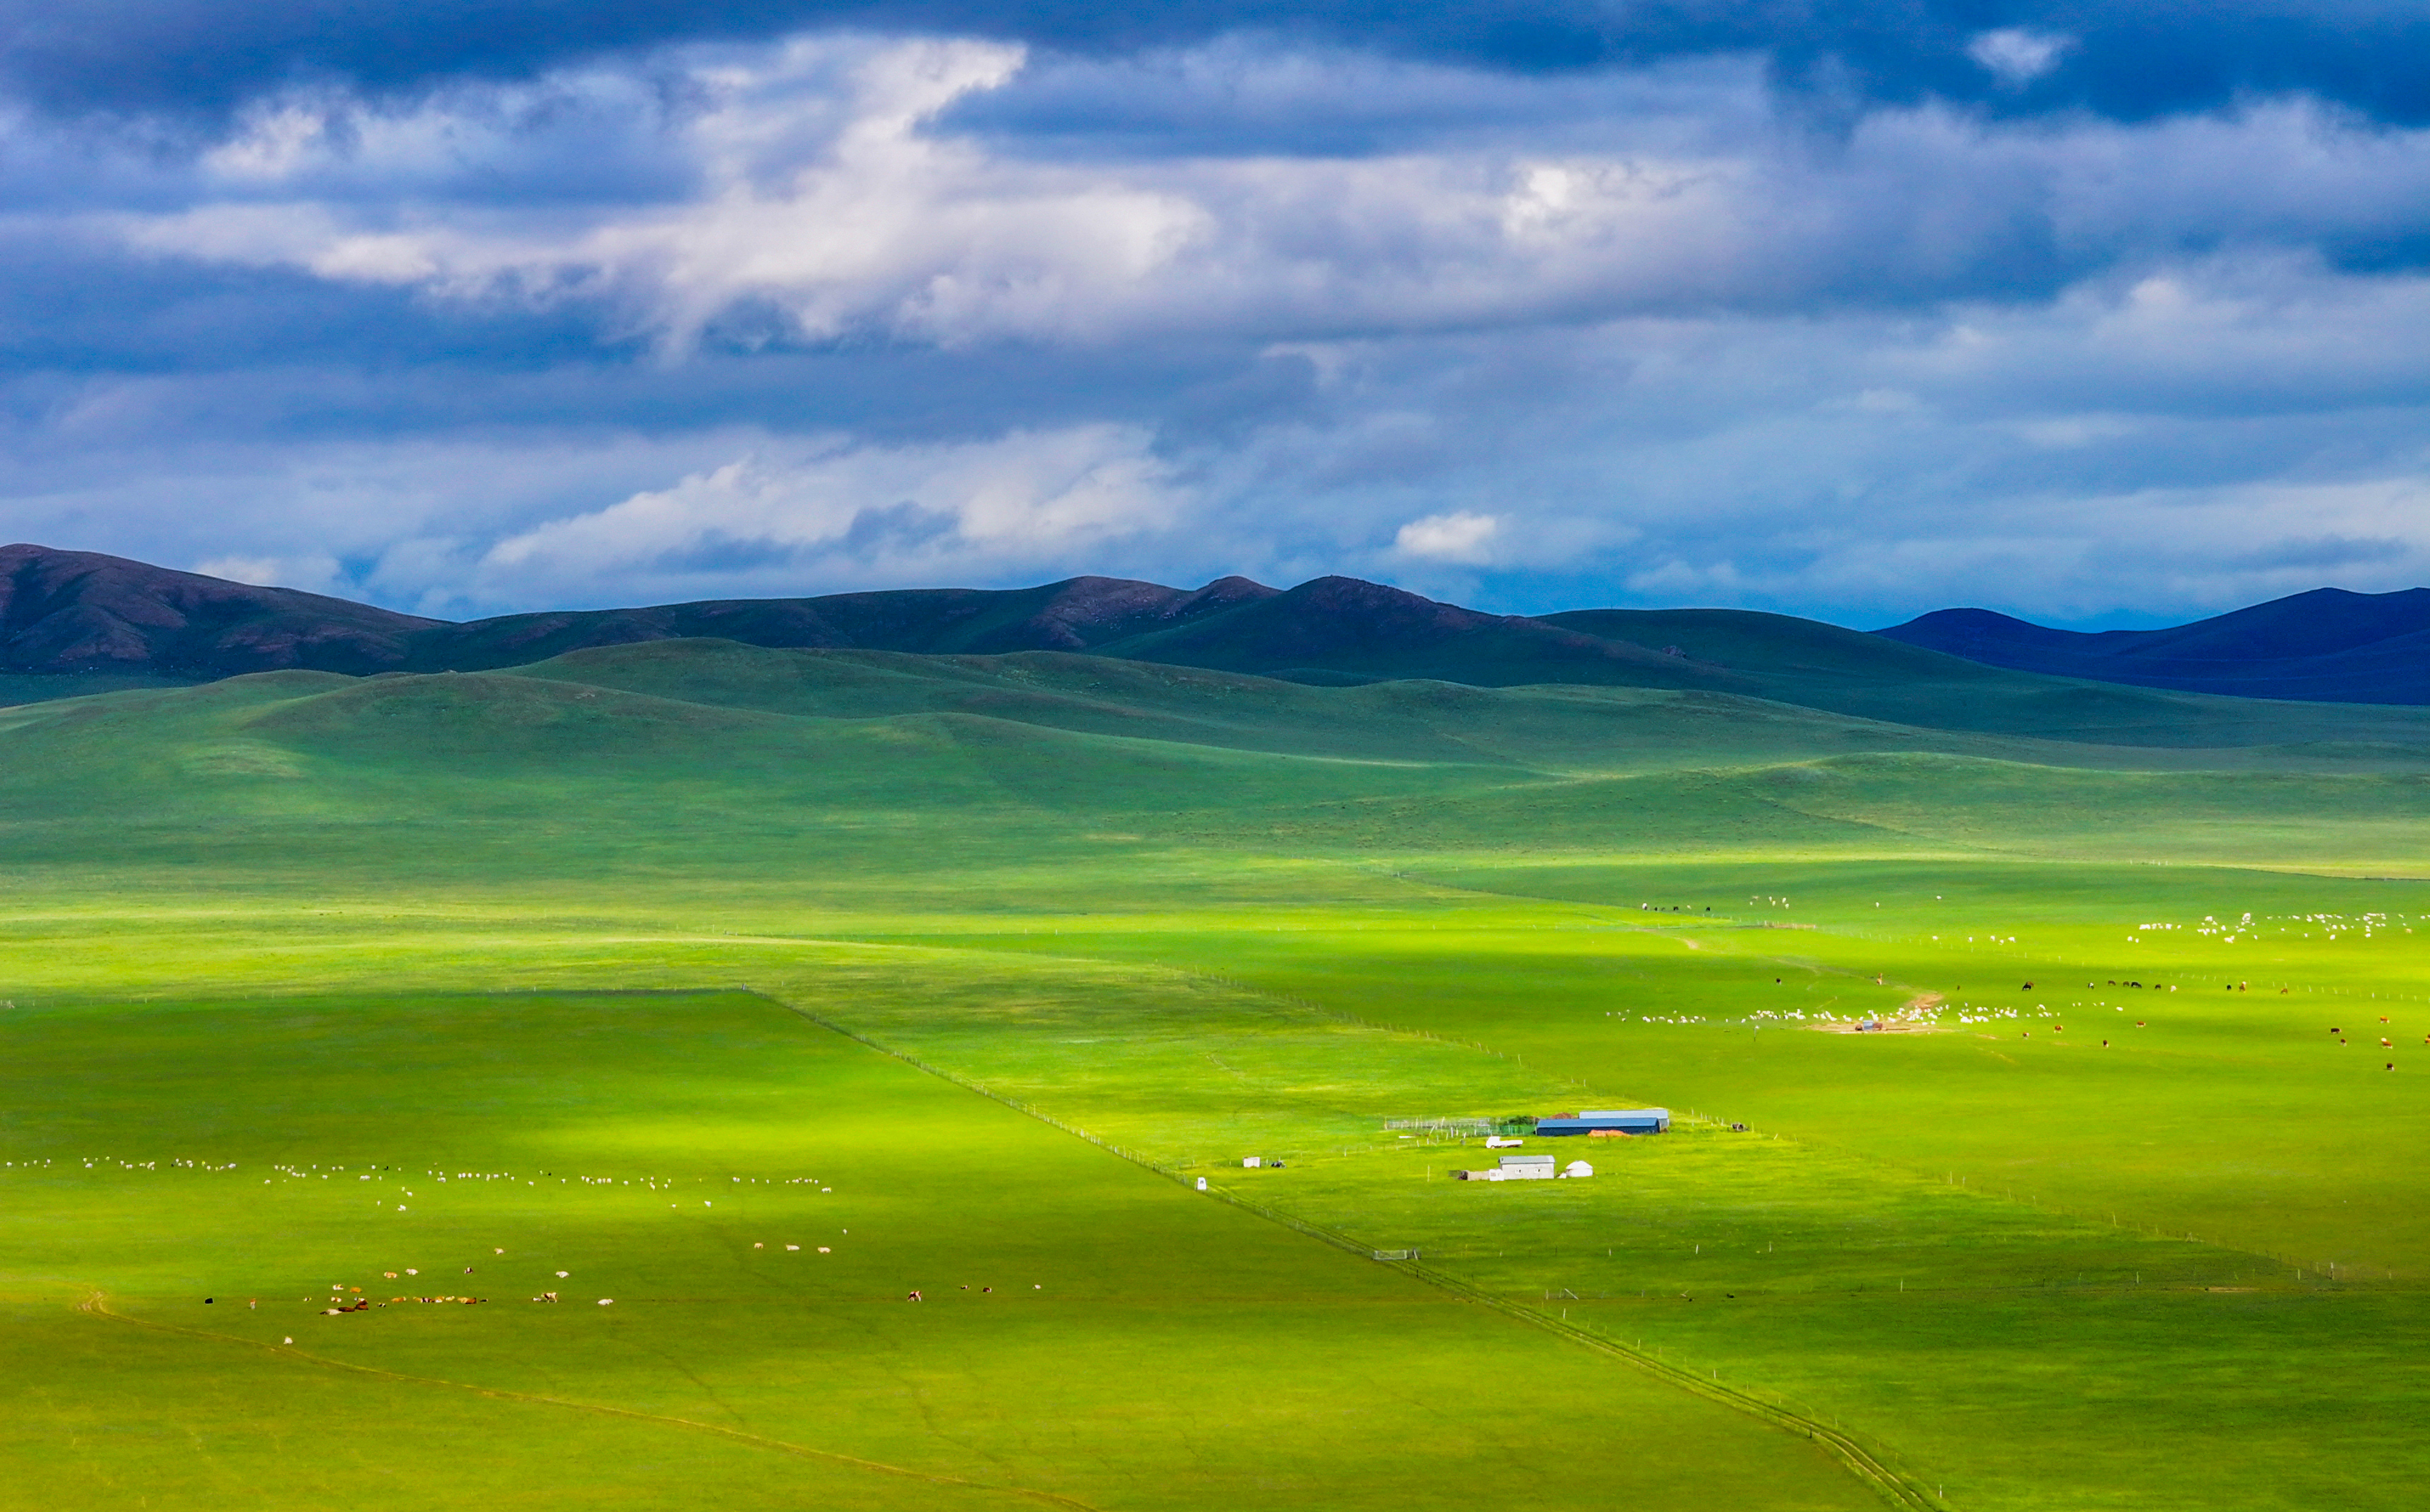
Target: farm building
point(1525, 1168)
point(1621, 1120)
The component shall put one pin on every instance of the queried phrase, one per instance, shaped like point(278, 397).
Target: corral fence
point(1464, 1128)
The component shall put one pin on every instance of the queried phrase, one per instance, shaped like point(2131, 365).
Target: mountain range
point(64, 613)
point(2328, 645)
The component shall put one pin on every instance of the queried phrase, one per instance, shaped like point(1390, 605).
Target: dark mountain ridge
point(2328, 645)
point(1078, 614)
point(81, 612)
point(1344, 631)
point(81, 615)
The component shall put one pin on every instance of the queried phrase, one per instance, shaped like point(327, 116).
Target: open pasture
point(2233, 1114)
point(1964, 1329)
point(758, 1197)
point(332, 924)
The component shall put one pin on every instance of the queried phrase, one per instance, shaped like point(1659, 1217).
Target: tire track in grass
point(1860, 1461)
point(97, 1303)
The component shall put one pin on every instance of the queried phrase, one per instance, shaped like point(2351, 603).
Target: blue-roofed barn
point(1618, 1121)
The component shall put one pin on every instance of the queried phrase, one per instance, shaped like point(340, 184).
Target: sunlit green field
point(2110, 1217)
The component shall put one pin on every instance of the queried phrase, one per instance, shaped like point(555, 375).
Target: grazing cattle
point(914, 1297)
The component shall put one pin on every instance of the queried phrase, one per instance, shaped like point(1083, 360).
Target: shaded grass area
point(102, 1414)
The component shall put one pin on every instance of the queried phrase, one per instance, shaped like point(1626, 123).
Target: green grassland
point(2142, 1233)
point(1088, 1331)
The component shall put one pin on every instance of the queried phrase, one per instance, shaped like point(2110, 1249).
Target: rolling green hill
point(1103, 927)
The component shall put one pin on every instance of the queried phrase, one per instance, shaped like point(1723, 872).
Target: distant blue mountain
point(2328, 645)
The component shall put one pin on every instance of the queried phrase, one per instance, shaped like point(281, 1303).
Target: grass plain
point(555, 920)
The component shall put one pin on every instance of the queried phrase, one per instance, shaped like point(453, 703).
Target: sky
point(2094, 313)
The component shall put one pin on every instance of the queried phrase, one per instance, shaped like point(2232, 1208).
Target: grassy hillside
point(300, 922)
point(34, 688)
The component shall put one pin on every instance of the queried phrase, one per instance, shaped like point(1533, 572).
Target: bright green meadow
point(756, 991)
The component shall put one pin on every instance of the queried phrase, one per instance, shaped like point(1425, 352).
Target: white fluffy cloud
point(857, 514)
point(1460, 537)
point(820, 181)
point(2018, 55)
point(813, 184)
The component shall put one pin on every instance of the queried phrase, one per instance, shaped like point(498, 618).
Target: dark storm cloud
point(2129, 62)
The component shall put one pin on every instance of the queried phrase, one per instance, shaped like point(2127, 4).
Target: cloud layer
point(1864, 315)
